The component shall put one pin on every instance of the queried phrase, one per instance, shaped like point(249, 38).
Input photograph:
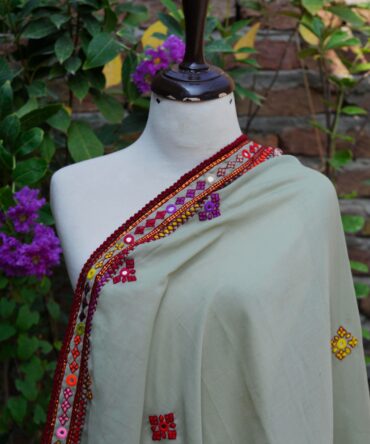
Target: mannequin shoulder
point(90, 171)
point(313, 188)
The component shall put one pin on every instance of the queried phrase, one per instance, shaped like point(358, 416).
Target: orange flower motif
point(342, 343)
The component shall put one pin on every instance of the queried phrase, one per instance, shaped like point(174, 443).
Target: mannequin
point(165, 151)
point(192, 115)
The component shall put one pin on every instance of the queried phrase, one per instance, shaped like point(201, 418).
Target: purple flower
point(18, 258)
point(175, 48)
point(9, 255)
point(24, 214)
point(143, 74)
point(171, 51)
point(159, 58)
point(42, 253)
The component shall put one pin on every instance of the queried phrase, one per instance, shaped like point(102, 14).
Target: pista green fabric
point(229, 324)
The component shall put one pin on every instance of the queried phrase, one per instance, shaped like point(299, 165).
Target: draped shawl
point(222, 312)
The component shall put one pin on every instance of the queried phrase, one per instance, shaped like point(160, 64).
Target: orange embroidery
point(342, 343)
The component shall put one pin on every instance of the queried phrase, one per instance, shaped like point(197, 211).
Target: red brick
point(270, 52)
point(302, 141)
point(353, 180)
point(290, 102)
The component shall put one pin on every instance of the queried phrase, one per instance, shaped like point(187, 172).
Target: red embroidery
point(163, 427)
point(126, 273)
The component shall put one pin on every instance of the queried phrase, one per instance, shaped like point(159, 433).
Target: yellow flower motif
point(80, 329)
point(99, 264)
point(342, 343)
point(91, 273)
point(108, 255)
point(119, 245)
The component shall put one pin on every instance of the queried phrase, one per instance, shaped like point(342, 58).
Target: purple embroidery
point(211, 208)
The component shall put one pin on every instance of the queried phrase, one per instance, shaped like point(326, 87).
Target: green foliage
point(325, 43)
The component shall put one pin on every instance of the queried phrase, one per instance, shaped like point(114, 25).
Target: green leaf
point(28, 388)
point(33, 368)
point(352, 224)
point(17, 407)
point(47, 149)
point(28, 294)
point(26, 318)
point(134, 122)
point(136, 13)
point(6, 99)
point(9, 129)
point(245, 93)
point(45, 216)
point(110, 20)
point(110, 107)
point(173, 8)
point(26, 346)
point(29, 106)
point(29, 140)
point(58, 345)
point(63, 47)
point(366, 333)
point(129, 65)
point(362, 290)
point(73, 64)
point(339, 39)
point(6, 331)
point(360, 67)
point(60, 120)
point(96, 78)
point(6, 159)
point(341, 158)
point(313, 6)
point(59, 19)
point(82, 142)
point(101, 49)
point(346, 14)
point(6, 198)
point(39, 415)
point(45, 346)
point(79, 85)
point(37, 89)
point(219, 46)
point(53, 309)
point(30, 171)
point(38, 29)
point(92, 25)
point(45, 284)
point(7, 307)
point(5, 72)
point(359, 266)
point(4, 281)
point(171, 23)
point(353, 110)
point(38, 116)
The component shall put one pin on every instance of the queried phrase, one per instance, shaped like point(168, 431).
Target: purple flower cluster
point(21, 258)
point(171, 51)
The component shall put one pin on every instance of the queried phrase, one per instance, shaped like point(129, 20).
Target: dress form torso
point(90, 199)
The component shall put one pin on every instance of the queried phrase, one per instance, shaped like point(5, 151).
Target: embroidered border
point(79, 389)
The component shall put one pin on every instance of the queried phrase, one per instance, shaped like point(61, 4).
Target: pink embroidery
point(127, 273)
point(163, 427)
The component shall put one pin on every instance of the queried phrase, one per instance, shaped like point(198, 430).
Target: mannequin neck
point(190, 131)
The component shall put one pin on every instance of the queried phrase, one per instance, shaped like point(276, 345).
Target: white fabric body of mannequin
point(91, 198)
